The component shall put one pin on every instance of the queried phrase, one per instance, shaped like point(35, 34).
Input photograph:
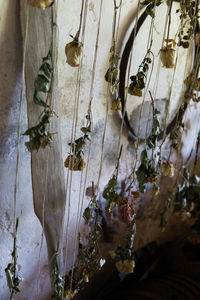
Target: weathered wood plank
point(46, 164)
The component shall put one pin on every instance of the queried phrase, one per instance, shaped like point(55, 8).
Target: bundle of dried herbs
point(57, 284)
point(138, 81)
point(112, 197)
point(88, 262)
point(75, 161)
point(39, 134)
point(112, 73)
point(124, 256)
point(186, 199)
point(147, 172)
point(189, 14)
point(13, 279)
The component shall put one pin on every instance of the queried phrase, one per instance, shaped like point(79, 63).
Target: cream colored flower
point(168, 169)
point(167, 57)
point(41, 3)
point(125, 266)
point(73, 51)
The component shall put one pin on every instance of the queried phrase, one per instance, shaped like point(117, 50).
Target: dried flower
point(41, 3)
point(73, 51)
point(126, 211)
point(125, 266)
point(190, 81)
point(75, 163)
point(136, 194)
point(167, 57)
point(116, 105)
point(168, 169)
point(85, 276)
point(69, 294)
point(153, 177)
point(135, 91)
point(45, 140)
point(155, 190)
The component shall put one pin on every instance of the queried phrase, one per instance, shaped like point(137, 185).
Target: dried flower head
point(135, 91)
point(41, 3)
point(116, 105)
point(69, 294)
point(73, 51)
point(126, 211)
point(136, 194)
point(45, 140)
point(74, 163)
point(125, 266)
point(155, 190)
point(168, 169)
point(86, 275)
point(167, 57)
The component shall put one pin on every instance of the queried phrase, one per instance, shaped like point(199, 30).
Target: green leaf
point(87, 214)
point(42, 84)
point(47, 69)
point(37, 100)
point(85, 130)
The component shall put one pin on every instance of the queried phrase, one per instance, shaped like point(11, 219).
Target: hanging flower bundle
point(138, 81)
point(39, 134)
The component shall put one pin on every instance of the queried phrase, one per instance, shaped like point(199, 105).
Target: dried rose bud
point(41, 3)
point(116, 105)
point(125, 266)
point(168, 169)
point(73, 51)
point(135, 91)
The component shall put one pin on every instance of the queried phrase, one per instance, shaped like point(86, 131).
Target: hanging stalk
point(13, 279)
